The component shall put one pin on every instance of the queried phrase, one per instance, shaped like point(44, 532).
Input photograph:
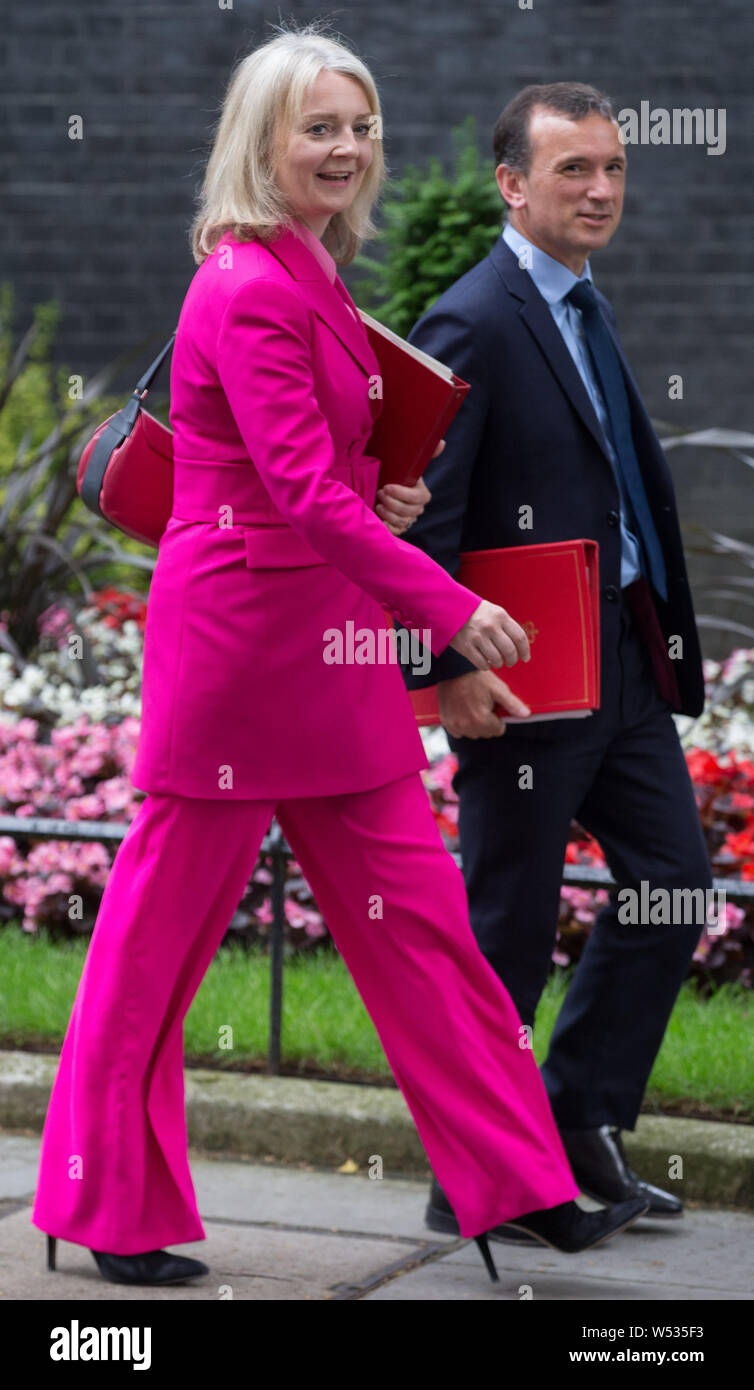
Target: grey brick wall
point(102, 223)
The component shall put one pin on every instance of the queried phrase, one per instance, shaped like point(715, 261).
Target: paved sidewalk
point(295, 1232)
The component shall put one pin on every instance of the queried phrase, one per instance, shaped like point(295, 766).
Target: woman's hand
point(490, 637)
point(399, 506)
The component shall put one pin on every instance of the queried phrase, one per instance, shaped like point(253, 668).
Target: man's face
point(570, 202)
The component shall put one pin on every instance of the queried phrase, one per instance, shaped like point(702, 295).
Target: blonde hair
point(264, 98)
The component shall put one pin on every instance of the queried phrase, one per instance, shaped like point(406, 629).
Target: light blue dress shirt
point(554, 280)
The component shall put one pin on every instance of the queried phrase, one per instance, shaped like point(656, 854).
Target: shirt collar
point(319, 251)
point(551, 277)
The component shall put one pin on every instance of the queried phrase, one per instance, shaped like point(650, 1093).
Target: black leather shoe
point(152, 1267)
point(439, 1216)
point(599, 1166)
point(568, 1228)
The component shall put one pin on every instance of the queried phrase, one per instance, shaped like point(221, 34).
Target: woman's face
point(332, 137)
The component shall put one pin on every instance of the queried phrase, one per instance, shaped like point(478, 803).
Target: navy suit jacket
point(527, 435)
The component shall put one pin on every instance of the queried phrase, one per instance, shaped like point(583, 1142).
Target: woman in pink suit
point(272, 543)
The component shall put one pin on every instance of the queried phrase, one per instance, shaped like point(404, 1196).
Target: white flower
point(34, 678)
point(15, 694)
point(435, 742)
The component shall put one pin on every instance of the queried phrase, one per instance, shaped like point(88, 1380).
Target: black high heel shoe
point(151, 1267)
point(569, 1229)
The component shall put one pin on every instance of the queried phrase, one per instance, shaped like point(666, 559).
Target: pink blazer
point(272, 542)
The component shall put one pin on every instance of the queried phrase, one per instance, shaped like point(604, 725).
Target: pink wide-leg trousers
point(114, 1172)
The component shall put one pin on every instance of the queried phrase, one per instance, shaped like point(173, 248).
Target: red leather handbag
point(125, 472)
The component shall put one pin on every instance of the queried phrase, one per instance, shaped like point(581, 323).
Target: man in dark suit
point(552, 443)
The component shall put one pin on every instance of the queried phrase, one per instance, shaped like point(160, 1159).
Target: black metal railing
point(275, 847)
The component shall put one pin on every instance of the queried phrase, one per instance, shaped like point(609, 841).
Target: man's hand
point(399, 506)
point(490, 637)
point(466, 704)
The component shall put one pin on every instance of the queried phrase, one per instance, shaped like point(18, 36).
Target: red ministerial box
point(552, 591)
point(420, 397)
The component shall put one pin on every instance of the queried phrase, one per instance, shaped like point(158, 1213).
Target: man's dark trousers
point(621, 773)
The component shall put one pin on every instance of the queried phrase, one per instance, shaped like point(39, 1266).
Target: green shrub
point(52, 548)
point(436, 228)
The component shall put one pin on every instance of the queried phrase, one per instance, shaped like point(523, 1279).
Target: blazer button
point(611, 593)
point(613, 518)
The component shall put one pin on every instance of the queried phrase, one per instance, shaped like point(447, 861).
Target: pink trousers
point(114, 1172)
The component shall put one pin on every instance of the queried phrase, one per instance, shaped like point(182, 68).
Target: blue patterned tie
point(610, 375)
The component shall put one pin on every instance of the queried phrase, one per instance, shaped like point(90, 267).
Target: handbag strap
point(145, 381)
point(118, 429)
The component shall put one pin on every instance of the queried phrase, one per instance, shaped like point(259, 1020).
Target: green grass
point(704, 1066)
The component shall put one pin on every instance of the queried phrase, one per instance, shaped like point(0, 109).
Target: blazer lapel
point(329, 301)
point(535, 312)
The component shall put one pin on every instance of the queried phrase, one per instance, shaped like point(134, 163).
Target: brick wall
point(102, 223)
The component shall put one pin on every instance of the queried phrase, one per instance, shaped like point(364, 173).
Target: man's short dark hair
point(510, 140)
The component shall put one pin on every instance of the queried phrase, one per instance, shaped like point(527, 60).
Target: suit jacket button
point(613, 518)
point(611, 593)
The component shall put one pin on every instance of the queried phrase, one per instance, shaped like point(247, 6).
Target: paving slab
point(708, 1255)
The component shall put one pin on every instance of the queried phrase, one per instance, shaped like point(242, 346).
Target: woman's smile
point(342, 179)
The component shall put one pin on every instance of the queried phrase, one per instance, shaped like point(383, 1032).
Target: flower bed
point(719, 749)
point(67, 748)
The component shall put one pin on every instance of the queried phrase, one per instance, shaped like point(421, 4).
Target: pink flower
point(315, 929)
point(67, 783)
point(10, 859)
point(441, 775)
point(87, 761)
point(45, 856)
point(54, 622)
point(65, 738)
point(90, 807)
point(116, 794)
point(59, 883)
point(27, 728)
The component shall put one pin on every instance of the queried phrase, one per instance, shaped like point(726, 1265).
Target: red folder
point(552, 590)
point(420, 396)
